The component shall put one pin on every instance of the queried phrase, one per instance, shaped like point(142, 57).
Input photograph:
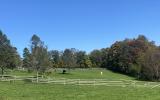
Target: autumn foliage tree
point(128, 56)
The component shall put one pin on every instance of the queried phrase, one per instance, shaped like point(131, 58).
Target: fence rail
point(91, 82)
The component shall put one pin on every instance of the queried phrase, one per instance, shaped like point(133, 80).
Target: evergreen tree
point(9, 57)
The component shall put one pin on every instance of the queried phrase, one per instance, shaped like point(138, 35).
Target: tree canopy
point(9, 58)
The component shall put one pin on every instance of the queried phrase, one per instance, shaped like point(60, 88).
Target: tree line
point(136, 57)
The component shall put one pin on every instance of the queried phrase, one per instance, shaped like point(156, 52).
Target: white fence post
point(37, 76)
point(64, 81)
point(79, 82)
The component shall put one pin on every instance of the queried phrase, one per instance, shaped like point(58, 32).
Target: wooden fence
point(82, 82)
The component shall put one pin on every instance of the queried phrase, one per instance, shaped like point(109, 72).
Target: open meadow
point(21, 90)
point(80, 50)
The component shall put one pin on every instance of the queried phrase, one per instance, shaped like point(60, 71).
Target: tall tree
point(87, 63)
point(151, 65)
point(96, 58)
point(39, 54)
point(127, 56)
point(81, 57)
point(55, 58)
point(8, 54)
point(27, 59)
point(69, 58)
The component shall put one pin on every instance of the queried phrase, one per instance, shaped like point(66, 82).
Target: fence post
point(64, 81)
point(15, 78)
point(134, 84)
point(79, 82)
point(37, 76)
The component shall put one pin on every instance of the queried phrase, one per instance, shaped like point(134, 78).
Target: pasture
point(21, 90)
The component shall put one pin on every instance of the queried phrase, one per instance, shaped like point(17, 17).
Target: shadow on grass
point(65, 73)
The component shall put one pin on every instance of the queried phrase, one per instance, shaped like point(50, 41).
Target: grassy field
point(79, 74)
point(31, 91)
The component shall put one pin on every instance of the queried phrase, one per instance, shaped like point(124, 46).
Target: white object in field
point(101, 73)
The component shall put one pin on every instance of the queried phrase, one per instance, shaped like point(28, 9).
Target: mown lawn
point(79, 74)
point(90, 74)
point(25, 91)
point(31, 91)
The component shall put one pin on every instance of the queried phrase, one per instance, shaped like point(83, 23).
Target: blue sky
point(82, 24)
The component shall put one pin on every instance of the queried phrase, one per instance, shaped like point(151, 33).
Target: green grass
point(21, 73)
point(90, 74)
point(22, 91)
point(30, 91)
point(79, 74)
